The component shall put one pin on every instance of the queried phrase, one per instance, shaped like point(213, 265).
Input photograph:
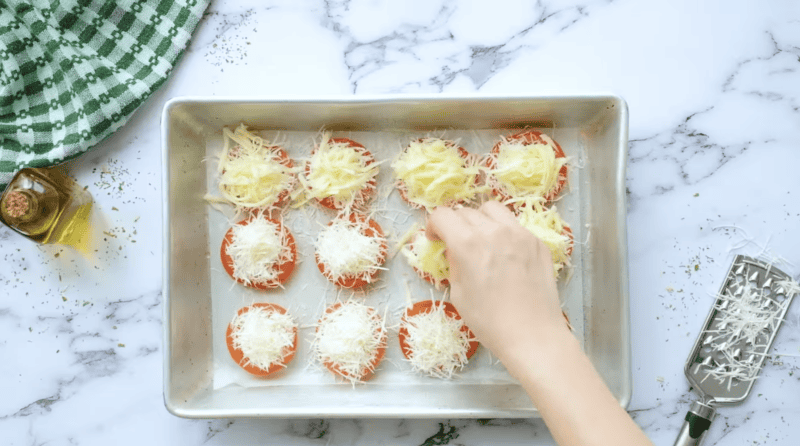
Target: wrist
point(538, 356)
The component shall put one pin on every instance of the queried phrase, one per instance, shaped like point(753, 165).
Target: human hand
point(501, 278)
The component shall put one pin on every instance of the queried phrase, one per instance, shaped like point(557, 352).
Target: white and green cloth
point(73, 71)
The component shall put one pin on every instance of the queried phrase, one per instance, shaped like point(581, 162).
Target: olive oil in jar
point(46, 206)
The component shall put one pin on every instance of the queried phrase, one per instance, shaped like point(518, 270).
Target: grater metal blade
point(733, 343)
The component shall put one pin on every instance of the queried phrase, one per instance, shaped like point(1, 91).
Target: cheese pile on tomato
point(350, 340)
point(253, 173)
point(265, 337)
point(340, 170)
point(432, 172)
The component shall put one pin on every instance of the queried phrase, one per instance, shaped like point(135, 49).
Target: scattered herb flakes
point(660, 379)
point(30, 329)
point(56, 254)
point(136, 219)
point(114, 208)
point(120, 345)
point(697, 267)
point(114, 327)
point(697, 195)
point(64, 298)
point(670, 289)
point(85, 303)
point(109, 234)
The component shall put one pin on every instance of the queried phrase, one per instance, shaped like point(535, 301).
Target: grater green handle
point(696, 425)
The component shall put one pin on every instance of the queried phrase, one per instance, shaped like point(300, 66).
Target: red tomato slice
point(238, 355)
point(426, 306)
point(526, 138)
point(284, 269)
point(374, 230)
point(401, 187)
point(363, 194)
point(367, 373)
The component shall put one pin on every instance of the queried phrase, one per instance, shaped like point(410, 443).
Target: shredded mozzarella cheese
point(349, 338)
point(549, 227)
point(521, 169)
point(427, 256)
point(265, 336)
point(432, 172)
point(338, 171)
point(256, 248)
point(251, 172)
point(346, 251)
point(438, 346)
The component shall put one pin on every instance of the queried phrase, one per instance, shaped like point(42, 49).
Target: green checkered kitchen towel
point(73, 71)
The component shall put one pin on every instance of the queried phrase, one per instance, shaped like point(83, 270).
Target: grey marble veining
point(714, 96)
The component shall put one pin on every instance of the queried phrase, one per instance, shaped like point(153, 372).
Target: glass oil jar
point(47, 206)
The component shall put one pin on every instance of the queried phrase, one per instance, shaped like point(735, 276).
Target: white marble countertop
point(714, 95)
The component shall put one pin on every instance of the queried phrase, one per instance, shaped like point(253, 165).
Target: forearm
point(571, 396)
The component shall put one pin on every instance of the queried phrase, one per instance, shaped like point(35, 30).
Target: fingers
point(499, 213)
point(442, 223)
point(475, 218)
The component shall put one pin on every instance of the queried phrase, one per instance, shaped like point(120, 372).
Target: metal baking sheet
point(200, 379)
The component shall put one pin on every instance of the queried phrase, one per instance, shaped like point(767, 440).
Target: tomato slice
point(427, 306)
point(401, 187)
point(365, 193)
point(368, 371)
point(238, 356)
point(284, 269)
point(365, 278)
point(526, 138)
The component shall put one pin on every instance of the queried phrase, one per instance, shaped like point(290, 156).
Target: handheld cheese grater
point(733, 344)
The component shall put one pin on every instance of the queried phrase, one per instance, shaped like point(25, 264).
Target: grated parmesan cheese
point(254, 173)
point(431, 172)
point(266, 337)
point(427, 257)
point(350, 338)
point(525, 169)
point(548, 226)
point(437, 346)
point(340, 172)
point(745, 321)
point(256, 248)
point(346, 251)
